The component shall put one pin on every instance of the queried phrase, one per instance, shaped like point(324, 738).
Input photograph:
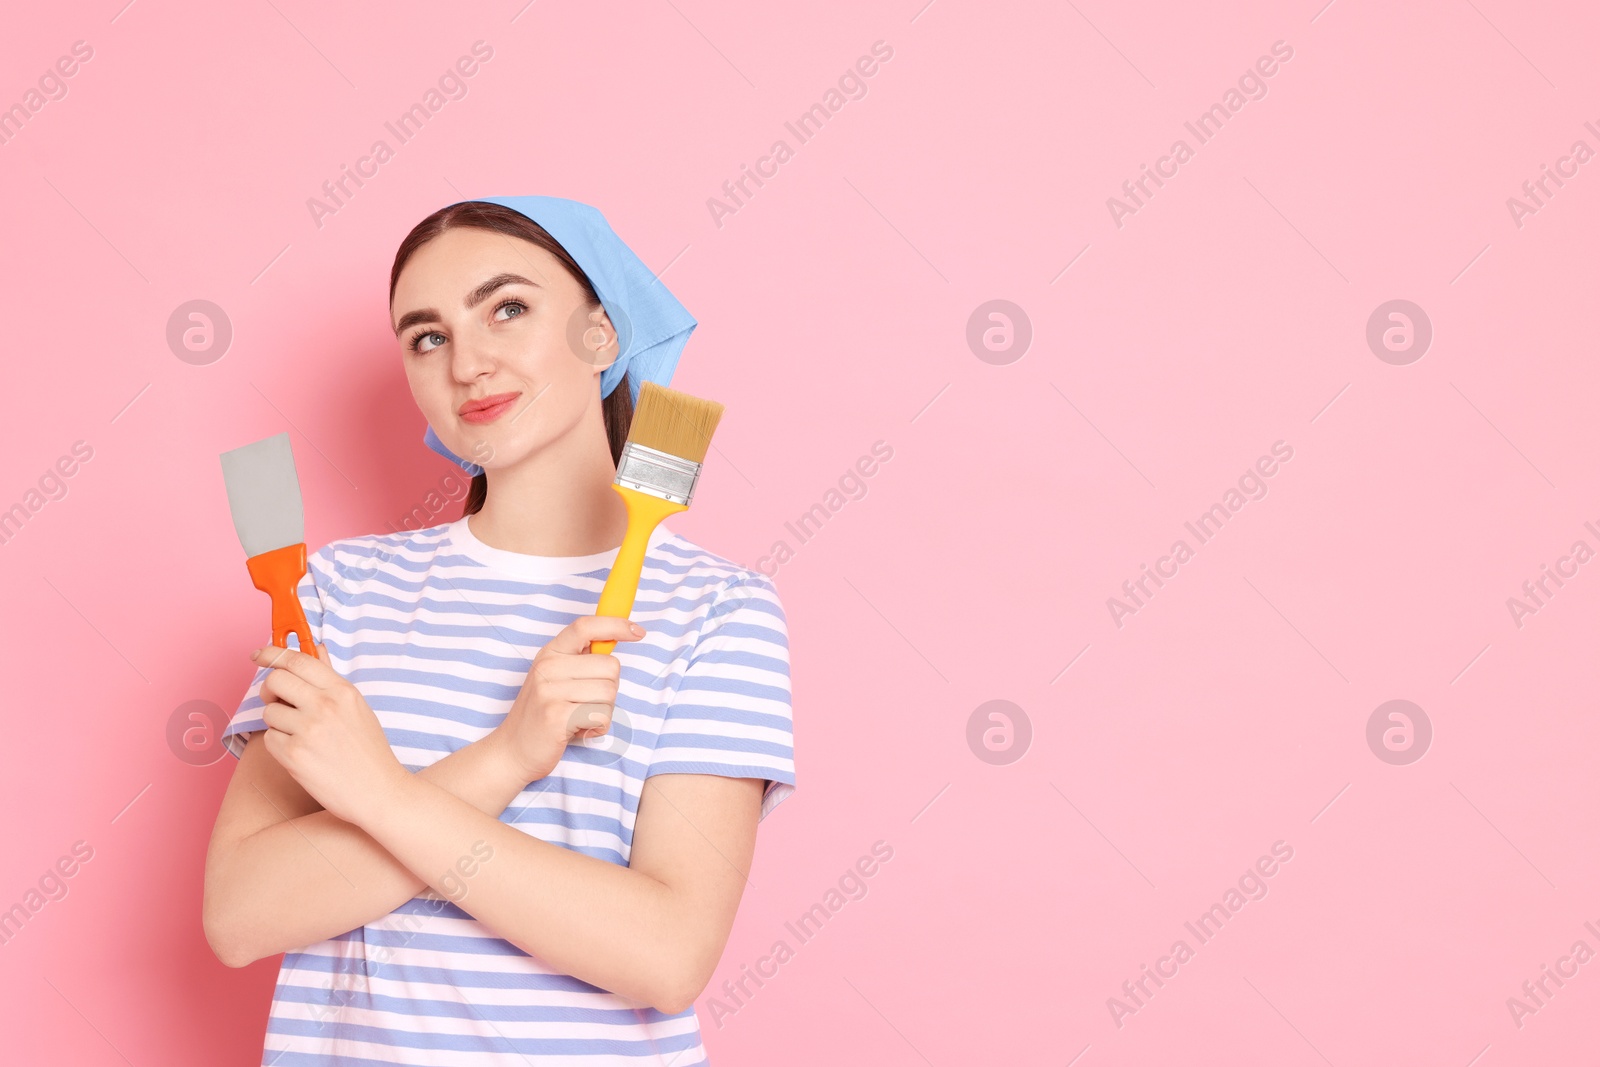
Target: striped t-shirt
point(437, 630)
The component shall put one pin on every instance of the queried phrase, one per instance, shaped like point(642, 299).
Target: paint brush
point(656, 476)
point(264, 496)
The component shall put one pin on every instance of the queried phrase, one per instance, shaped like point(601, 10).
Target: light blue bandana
point(652, 327)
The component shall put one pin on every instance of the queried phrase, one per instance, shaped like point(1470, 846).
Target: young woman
point(475, 842)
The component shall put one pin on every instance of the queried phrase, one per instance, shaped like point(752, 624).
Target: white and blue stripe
point(437, 630)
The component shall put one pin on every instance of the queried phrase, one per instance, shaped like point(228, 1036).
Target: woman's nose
point(470, 359)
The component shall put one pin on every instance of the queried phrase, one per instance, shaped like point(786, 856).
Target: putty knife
point(264, 495)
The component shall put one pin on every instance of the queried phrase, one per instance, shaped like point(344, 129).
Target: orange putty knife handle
point(278, 573)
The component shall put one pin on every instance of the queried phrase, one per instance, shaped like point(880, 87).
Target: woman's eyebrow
point(473, 299)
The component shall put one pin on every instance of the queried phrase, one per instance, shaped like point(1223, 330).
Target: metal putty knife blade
point(264, 495)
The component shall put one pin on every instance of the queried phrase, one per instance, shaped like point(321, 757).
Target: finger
point(277, 745)
point(301, 664)
point(588, 720)
point(585, 691)
point(285, 718)
point(575, 638)
point(566, 668)
point(288, 688)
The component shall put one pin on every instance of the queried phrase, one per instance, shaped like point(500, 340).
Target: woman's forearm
point(310, 878)
point(606, 924)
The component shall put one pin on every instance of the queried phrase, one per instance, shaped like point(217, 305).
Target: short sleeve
point(247, 719)
point(731, 714)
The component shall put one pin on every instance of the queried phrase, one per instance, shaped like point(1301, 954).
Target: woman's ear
point(592, 336)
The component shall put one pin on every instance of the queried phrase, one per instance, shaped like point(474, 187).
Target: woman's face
point(481, 315)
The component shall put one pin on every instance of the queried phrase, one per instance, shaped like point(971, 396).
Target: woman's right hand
point(569, 692)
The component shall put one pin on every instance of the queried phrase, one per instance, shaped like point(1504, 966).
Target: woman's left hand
point(323, 732)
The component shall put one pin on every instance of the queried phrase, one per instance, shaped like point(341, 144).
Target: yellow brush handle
point(645, 512)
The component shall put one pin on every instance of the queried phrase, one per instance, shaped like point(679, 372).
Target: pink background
point(1228, 313)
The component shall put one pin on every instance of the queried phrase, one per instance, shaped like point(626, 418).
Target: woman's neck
point(556, 502)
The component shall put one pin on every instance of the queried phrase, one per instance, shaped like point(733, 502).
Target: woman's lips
point(496, 406)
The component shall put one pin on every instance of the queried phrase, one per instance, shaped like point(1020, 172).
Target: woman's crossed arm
point(282, 872)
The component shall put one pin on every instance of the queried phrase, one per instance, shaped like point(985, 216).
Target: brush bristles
point(675, 423)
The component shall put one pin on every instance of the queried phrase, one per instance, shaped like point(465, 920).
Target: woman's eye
point(418, 346)
point(516, 307)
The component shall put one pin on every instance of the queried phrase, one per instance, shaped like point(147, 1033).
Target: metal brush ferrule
point(658, 473)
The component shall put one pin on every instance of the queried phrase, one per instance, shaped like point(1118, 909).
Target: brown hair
point(617, 408)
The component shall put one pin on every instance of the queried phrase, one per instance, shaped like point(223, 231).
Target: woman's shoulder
point(398, 549)
point(725, 595)
point(693, 560)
